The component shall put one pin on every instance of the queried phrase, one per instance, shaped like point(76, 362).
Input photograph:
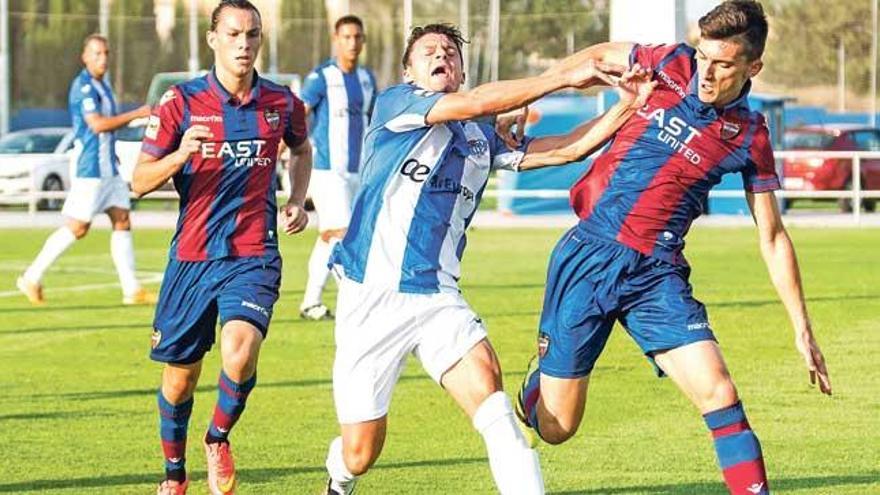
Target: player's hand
point(192, 140)
point(635, 86)
point(505, 123)
point(592, 73)
point(142, 112)
point(809, 349)
point(294, 218)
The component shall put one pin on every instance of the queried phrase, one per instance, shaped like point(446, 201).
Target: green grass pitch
point(77, 390)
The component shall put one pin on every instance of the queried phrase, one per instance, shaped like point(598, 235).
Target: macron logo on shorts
point(256, 307)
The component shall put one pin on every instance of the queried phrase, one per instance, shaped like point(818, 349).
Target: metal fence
point(857, 194)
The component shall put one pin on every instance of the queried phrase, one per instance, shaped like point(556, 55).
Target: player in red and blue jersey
point(218, 137)
point(624, 262)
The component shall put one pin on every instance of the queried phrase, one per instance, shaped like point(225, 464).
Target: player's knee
point(557, 430)
point(179, 386)
point(359, 457)
point(79, 229)
point(122, 224)
point(721, 394)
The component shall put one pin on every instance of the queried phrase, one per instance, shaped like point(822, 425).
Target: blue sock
point(739, 452)
point(231, 399)
point(173, 424)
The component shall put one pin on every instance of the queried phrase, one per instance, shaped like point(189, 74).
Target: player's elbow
point(139, 185)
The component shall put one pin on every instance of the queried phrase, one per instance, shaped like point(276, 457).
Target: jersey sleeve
point(676, 61)
point(759, 174)
point(86, 99)
point(503, 158)
point(297, 130)
point(164, 129)
point(314, 89)
point(404, 107)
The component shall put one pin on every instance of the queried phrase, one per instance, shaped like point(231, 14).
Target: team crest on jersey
point(155, 338)
point(543, 345)
point(478, 146)
point(166, 97)
point(729, 130)
point(273, 118)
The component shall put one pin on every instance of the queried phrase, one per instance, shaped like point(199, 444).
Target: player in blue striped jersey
point(95, 184)
point(340, 95)
point(426, 164)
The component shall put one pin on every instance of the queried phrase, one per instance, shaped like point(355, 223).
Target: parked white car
point(38, 159)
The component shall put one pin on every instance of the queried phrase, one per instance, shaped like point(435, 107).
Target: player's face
point(349, 42)
point(435, 64)
point(724, 69)
point(96, 58)
point(236, 41)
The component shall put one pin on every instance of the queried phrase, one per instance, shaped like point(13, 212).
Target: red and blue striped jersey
point(227, 189)
point(651, 183)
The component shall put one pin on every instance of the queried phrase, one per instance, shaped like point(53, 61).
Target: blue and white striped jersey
point(341, 104)
point(420, 187)
point(95, 153)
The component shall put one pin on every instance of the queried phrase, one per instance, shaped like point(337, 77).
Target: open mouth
point(439, 71)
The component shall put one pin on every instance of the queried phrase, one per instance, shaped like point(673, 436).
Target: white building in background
point(648, 21)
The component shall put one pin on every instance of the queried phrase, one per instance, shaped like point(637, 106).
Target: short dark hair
point(448, 30)
point(743, 20)
point(232, 4)
point(348, 19)
point(94, 37)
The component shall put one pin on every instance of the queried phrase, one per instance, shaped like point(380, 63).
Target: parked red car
point(820, 174)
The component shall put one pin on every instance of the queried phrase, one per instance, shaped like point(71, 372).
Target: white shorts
point(333, 195)
point(88, 197)
point(375, 331)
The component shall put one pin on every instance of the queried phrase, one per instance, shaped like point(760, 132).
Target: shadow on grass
point(708, 488)
point(253, 475)
point(54, 309)
point(207, 387)
point(56, 415)
point(772, 302)
point(146, 327)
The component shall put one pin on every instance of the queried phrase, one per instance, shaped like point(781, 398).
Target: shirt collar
point(741, 102)
point(228, 98)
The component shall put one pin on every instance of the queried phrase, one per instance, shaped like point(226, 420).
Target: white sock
point(318, 272)
point(57, 243)
point(341, 479)
point(122, 252)
point(514, 465)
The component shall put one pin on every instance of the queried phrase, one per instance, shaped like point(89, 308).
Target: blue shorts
point(591, 283)
point(195, 293)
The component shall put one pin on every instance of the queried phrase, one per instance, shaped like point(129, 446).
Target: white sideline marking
point(143, 277)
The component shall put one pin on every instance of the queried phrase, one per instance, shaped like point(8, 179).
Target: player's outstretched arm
point(500, 96)
point(294, 212)
point(151, 172)
point(615, 53)
point(101, 123)
point(779, 255)
point(634, 88)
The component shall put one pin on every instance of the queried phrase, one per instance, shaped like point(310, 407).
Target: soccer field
point(78, 409)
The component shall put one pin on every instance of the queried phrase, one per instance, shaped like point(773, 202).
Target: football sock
point(122, 252)
point(739, 452)
point(341, 479)
point(173, 423)
point(57, 243)
point(231, 398)
point(318, 272)
point(531, 393)
point(514, 465)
